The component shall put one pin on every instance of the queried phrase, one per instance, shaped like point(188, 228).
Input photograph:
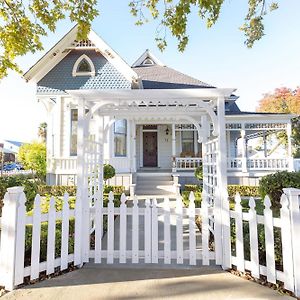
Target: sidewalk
point(94, 282)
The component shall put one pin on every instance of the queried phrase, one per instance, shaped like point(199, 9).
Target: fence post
point(294, 201)
point(9, 236)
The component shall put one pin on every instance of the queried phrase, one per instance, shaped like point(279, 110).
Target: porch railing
point(183, 163)
point(268, 164)
point(68, 165)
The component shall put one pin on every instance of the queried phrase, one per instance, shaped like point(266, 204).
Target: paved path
point(110, 283)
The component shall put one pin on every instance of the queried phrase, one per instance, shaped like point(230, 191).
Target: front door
point(150, 149)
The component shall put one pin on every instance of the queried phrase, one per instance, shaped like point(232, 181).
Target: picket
point(179, 230)
point(20, 240)
point(123, 227)
point(269, 241)
point(192, 229)
point(253, 239)
point(36, 237)
point(239, 233)
point(205, 230)
point(98, 228)
point(65, 233)
point(110, 228)
point(135, 231)
point(286, 240)
point(51, 236)
point(147, 238)
point(154, 237)
point(167, 236)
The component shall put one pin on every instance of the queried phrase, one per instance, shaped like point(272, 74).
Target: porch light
point(167, 131)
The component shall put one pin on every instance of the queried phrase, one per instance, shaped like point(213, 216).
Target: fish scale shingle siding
point(60, 77)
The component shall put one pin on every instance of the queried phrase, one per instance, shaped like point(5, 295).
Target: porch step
point(161, 185)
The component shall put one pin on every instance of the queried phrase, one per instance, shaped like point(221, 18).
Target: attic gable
point(70, 43)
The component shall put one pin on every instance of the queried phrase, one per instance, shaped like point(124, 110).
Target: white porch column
point(265, 144)
point(81, 199)
point(173, 147)
point(244, 149)
point(289, 146)
point(222, 217)
point(133, 135)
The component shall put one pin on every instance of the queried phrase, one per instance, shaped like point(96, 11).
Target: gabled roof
point(18, 144)
point(162, 77)
point(156, 75)
point(67, 44)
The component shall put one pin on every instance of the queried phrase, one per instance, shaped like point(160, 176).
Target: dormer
point(147, 59)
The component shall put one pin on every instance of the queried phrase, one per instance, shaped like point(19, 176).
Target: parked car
point(13, 166)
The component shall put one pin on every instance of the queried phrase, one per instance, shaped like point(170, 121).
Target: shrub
point(108, 172)
point(56, 190)
point(119, 189)
point(186, 201)
point(30, 188)
point(243, 190)
point(192, 188)
point(199, 173)
point(273, 184)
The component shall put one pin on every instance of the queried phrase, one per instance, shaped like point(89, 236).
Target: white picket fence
point(14, 222)
point(289, 237)
point(182, 240)
point(147, 215)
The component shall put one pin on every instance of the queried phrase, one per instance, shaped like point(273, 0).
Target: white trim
point(75, 73)
point(144, 56)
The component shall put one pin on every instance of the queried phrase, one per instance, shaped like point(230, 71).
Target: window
point(148, 61)
point(187, 142)
point(83, 67)
point(120, 137)
point(73, 141)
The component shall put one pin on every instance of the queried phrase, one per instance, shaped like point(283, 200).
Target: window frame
point(124, 134)
point(75, 72)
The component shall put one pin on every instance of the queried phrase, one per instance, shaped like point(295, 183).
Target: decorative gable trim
point(78, 61)
point(147, 55)
point(63, 48)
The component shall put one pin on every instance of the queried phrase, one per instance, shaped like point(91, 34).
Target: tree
point(42, 132)
point(33, 157)
point(284, 100)
point(22, 26)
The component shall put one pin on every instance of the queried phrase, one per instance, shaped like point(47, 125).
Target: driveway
point(124, 282)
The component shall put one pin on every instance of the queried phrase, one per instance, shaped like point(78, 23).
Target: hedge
point(273, 184)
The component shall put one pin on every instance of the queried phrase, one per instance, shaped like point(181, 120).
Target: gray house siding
point(60, 77)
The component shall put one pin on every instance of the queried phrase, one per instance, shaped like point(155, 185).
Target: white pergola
point(189, 105)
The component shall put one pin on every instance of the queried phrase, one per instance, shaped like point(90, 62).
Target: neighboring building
point(149, 117)
point(10, 150)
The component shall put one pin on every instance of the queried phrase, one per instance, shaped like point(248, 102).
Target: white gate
point(151, 230)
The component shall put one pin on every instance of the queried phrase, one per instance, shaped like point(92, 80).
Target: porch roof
point(164, 96)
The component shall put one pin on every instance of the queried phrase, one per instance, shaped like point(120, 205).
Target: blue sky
point(217, 56)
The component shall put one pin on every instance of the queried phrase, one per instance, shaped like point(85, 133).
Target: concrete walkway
point(91, 283)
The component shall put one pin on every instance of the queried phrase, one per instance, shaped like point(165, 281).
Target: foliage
point(273, 184)
point(33, 157)
point(23, 26)
point(243, 190)
point(174, 17)
point(193, 188)
point(284, 100)
point(199, 173)
point(30, 187)
point(56, 190)
point(117, 189)
point(108, 172)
